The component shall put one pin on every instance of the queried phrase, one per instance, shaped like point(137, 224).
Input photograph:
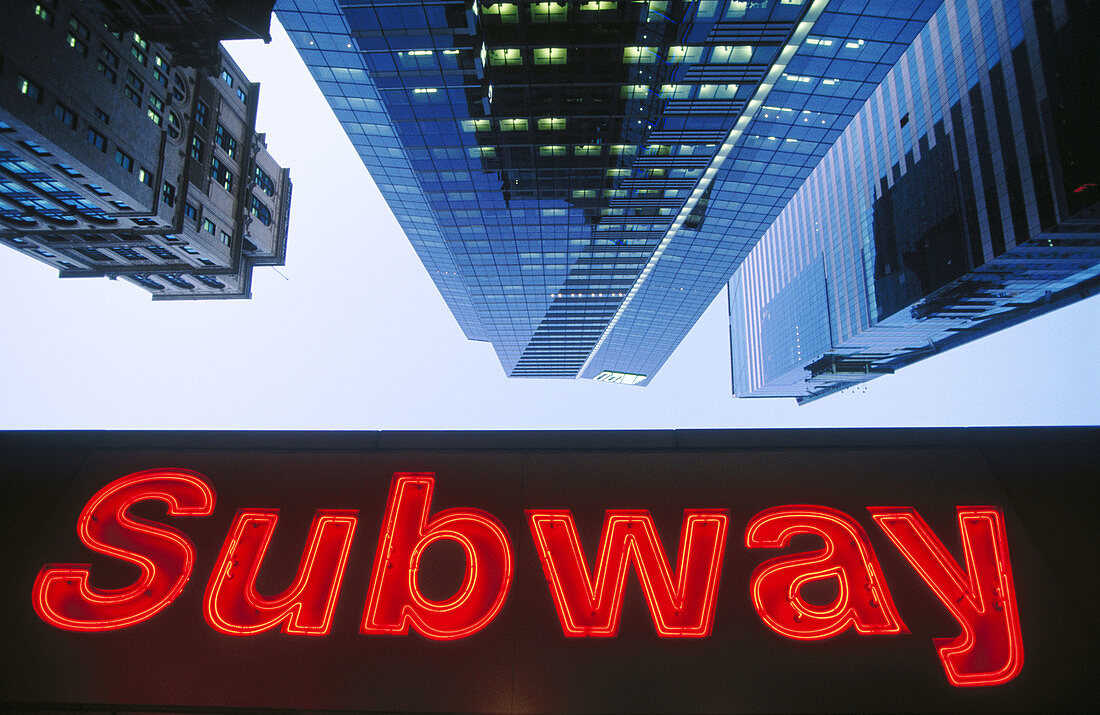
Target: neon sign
point(682, 597)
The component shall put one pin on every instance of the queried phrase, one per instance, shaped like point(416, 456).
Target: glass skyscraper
point(581, 179)
point(961, 199)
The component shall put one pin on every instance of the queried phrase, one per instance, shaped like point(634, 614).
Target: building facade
point(961, 199)
point(581, 179)
point(117, 161)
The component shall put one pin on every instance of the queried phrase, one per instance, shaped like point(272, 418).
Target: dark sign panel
point(668, 571)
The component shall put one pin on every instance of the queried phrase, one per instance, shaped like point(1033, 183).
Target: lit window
point(552, 150)
point(623, 149)
point(685, 53)
point(588, 150)
point(28, 88)
point(507, 12)
point(226, 238)
point(264, 182)
point(168, 194)
point(634, 91)
point(591, 6)
point(550, 55)
point(145, 177)
point(225, 140)
point(727, 54)
point(675, 91)
point(549, 12)
point(584, 193)
point(476, 125)
point(77, 35)
point(227, 78)
point(506, 56)
point(43, 13)
point(208, 226)
point(819, 42)
point(198, 146)
point(853, 44)
point(717, 91)
point(797, 78)
point(483, 152)
point(513, 125)
point(551, 123)
point(658, 150)
point(221, 174)
point(154, 117)
point(639, 55)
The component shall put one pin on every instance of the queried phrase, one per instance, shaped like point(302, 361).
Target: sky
point(352, 335)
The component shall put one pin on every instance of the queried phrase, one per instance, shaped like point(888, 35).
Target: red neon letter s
point(680, 609)
point(62, 594)
point(863, 601)
point(990, 649)
point(395, 601)
point(232, 605)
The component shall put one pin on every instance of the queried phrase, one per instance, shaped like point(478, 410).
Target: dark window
point(191, 212)
point(134, 81)
point(201, 110)
point(163, 253)
point(96, 139)
point(241, 95)
point(130, 254)
point(102, 116)
point(124, 160)
point(132, 95)
point(177, 280)
point(147, 282)
point(210, 282)
point(227, 78)
point(70, 171)
point(168, 194)
point(66, 115)
point(226, 238)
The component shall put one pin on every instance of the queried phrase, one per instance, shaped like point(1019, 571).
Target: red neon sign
point(863, 601)
point(63, 595)
point(990, 649)
point(682, 598)
point(233, 606)
point(395, 601)
point(682, 607)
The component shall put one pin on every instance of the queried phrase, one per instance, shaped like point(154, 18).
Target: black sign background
point(1042, 478)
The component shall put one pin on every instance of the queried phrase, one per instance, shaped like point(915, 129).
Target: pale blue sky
point(357, 337)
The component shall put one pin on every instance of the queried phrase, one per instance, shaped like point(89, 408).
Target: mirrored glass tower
point(962, 199)
point(581, 179)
